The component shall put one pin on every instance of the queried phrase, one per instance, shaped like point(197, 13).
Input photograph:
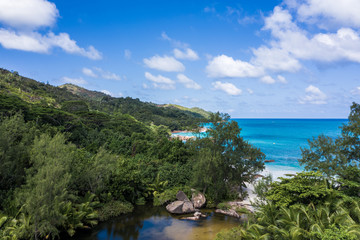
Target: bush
point(169, 195)
point(223, 206)
point(114, 209)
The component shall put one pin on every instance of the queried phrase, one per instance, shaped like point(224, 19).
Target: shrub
point(114, 209)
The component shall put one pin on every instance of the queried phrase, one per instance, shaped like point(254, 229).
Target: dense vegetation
point(70, 157)
point(321, 204)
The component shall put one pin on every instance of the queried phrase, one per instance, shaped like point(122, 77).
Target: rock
point(230, 212)
point(181, 196)
point(198, 199)
point(180, 207)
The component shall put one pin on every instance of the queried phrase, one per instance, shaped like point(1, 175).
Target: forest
point(70, 157)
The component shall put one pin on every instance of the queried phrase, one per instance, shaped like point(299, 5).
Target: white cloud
point(187, 54)
point(282, 79)
point(227, 87)
point(188, 83)
point(225, 66)
point(110, 76)
point(99, 73)
point(338, 12)
point(21, 18)
point(275, 59)
point(267, 79)
point(313, 96)
point(356, 91)
point(76, 81)
point(107, 92)
point(28, 13)
point(325, 47)
point(250, 91)
point(165, 63)
point(160, 81)
point(89, 72)
point(127, 53)
point(174, 42)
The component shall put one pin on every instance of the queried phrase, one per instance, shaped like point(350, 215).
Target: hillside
point(197, 110)
point(72, 103)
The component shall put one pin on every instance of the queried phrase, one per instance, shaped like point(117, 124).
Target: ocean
point(281, 139)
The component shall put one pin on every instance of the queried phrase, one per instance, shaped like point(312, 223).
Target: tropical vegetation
point(323, 203)
point(70, 157)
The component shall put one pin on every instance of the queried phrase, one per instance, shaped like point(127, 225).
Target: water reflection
point(147, 223)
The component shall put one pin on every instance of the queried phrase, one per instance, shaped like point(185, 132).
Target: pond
point(148, 222)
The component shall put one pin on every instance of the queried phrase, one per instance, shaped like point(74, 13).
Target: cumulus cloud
point(188, 83)
point(89, 72)
point(313, 96)
point(227, 87)
point(325, 47)
point(282, 79)
point(23, 17)
point(275, 59)
point(28, 13)
point(344, 12)
point(160, 81)
point(290, 44)
point(76, 81)
point(165, 63)
point(267, 79)
point(100, 73)
point(187, 54)
point(225, 66)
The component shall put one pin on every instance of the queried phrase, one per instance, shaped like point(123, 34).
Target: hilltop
point(69, 103)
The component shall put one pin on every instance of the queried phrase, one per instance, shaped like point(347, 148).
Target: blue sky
point(251, 59)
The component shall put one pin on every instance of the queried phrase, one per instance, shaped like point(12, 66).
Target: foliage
point(224, 159)
point(169, 195)
point(303, 188)
point(298, 222)
point(223, 206)
point(262, 186)
point(114, 209)
point(333, 157)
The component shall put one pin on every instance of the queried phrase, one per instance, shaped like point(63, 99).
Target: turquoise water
point(281, 139)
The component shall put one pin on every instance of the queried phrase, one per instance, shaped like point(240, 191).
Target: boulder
point(198, 199)
point(181, 196)
point(180, 207)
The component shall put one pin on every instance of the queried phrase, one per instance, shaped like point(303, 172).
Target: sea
point(282, 139)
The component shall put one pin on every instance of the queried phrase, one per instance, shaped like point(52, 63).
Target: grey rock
point(181, 196)
point(180, 207)
point(198, 199)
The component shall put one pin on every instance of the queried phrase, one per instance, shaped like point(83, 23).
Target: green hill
point(197, 110)
point(71, 103)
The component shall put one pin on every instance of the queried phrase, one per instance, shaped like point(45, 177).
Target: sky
point(248, 58)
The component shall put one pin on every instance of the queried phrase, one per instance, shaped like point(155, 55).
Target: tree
point(47, 182)
point(303, 188)
point(333, 157)
point(223, 159)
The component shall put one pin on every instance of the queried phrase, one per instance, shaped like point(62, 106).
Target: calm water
point(155, 223)
point(279, 139)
